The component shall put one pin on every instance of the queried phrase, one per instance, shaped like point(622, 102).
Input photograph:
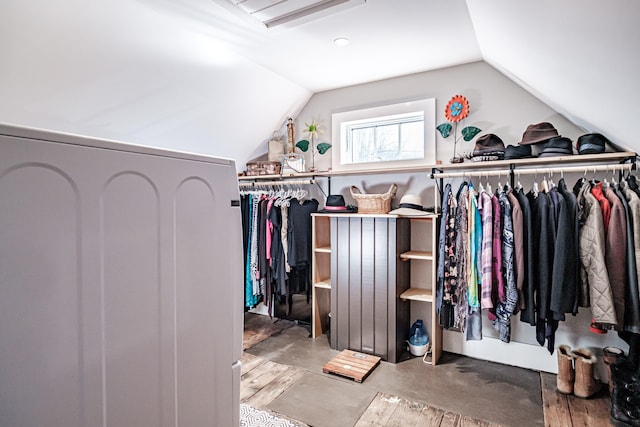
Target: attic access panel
point(278, 12)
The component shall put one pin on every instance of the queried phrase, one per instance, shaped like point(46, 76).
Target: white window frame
point(339, 137)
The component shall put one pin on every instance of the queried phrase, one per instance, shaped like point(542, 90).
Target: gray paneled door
point(367, 278)
point(120, 297)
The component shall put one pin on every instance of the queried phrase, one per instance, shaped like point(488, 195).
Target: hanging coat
point(616, 253)
point(592, 246)
point(632, 299)
point(527, 304)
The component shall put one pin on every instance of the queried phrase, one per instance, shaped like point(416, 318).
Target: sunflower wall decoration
point(313, 130)
point(457, 109)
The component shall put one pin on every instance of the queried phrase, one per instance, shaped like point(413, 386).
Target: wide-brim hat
point(591, 143)
point(410, 205)
point(538, 133)
point(336, 204)
point(517, 152)
point(557, 146)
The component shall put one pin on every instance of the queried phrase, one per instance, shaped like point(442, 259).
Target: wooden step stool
point(352, 364)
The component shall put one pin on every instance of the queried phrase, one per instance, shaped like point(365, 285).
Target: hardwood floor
point(568, 410)
point(264, 380)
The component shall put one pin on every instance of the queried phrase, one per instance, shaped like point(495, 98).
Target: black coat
point(566, 261)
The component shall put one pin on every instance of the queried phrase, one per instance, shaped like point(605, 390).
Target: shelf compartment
point(324, 284)
point(417, 294)
point(423, 255)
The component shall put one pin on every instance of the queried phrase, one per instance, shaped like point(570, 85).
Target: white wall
point(497, 106)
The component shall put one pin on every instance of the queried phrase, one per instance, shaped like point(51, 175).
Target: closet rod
point(538, 171)
point(284, 182)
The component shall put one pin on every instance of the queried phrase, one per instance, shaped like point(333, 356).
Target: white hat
point(410, 205)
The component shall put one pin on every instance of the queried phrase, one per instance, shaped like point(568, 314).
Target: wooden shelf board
point(417, 294)
point(424, 255)
point(323, 249)
point(324, 284)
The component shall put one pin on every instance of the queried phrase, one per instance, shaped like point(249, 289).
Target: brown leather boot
point(566, 372)
point(612, 356)
point(586, 384)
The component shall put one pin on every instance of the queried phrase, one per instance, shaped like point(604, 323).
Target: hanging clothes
point(450, 283)
point(631, 321)
point(616, 252)
point(462, 256)
point(442, 274)
point(507, 304)
point(486, 209)
point(527, 302)
point(595, 279)
point(474, 314)
point(517, 218)
point(276, 232)
point(566, 262)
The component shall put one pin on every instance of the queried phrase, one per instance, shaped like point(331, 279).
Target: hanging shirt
point(486, 209)
point(497, 285)
point(506, 308)
point(442, 238)
point(449, 298)
point(475, 243)
point(462, 256)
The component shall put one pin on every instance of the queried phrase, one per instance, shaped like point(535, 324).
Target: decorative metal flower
point(312, 129)
point(457, 109)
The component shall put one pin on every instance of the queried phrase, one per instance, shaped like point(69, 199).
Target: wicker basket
point(374, 203)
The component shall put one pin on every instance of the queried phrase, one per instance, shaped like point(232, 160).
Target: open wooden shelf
point(324, 284)
point(423, 255)
point(417, 294)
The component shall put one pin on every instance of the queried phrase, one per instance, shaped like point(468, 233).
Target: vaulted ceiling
point(204, 76)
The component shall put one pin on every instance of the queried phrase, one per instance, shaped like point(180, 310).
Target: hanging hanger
point(551, 183)
point(518, 185)
point(535, 185)
point(489, 189)
point(544, 184)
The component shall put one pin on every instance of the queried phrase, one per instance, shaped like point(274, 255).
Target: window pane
point(412, 140)
point(387, 143)
point(362, 145)
point(387, 136)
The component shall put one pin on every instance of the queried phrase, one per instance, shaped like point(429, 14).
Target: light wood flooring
point(264, 380)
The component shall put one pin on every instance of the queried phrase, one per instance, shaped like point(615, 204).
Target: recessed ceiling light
point(341, 41)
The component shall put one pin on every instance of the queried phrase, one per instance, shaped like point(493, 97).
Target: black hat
point(335, 204)
point(537, 133)
point(488, 147)
point(591, 143)
point(557, 146)
point(517, 152)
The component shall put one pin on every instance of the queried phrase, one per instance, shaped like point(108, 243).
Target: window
point(390, 136)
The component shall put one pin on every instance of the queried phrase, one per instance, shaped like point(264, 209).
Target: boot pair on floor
point(577, 372)
point(624, 386)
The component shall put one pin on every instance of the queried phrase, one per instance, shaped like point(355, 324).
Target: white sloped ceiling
point(202, 76)
point(581, 57)
point(151, 73)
